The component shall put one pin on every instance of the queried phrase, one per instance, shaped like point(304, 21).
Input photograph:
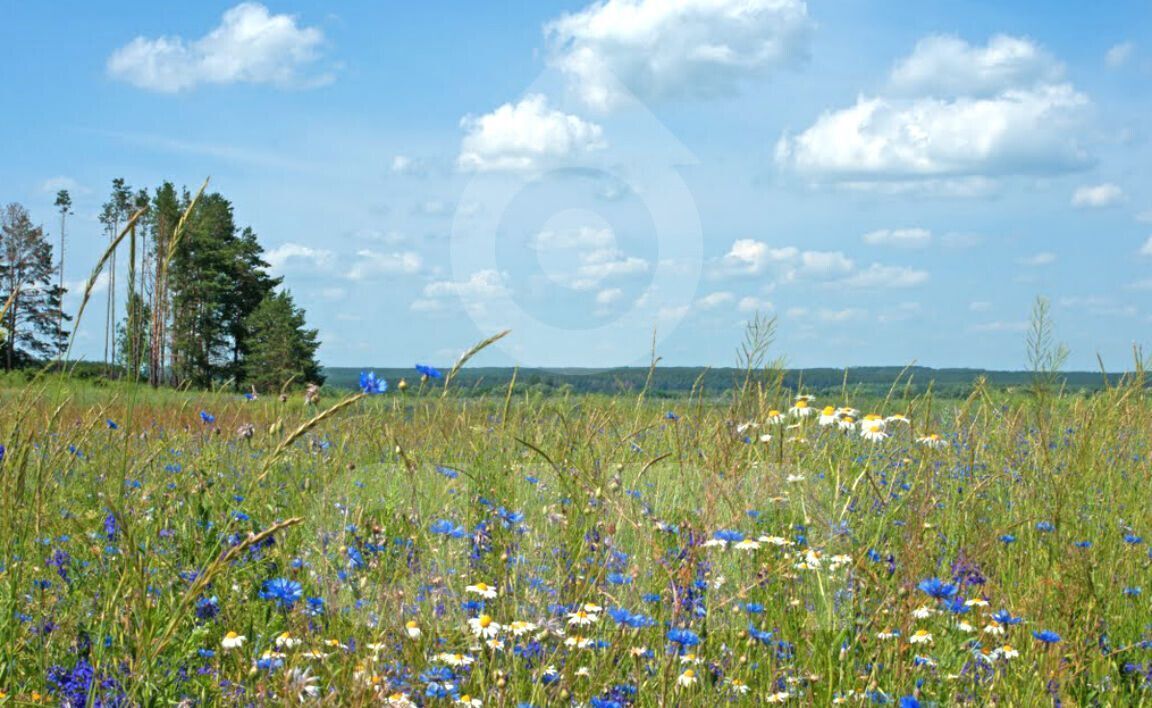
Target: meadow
point(422, 548)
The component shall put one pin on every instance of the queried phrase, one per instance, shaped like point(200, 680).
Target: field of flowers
point(414, 548)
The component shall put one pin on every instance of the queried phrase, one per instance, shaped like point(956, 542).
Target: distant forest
point(676, 381)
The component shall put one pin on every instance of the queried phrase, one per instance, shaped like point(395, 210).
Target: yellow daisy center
point(485, 620)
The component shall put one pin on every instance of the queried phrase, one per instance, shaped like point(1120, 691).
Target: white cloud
point(750, 257)
point(942, 65)
point(1100, 195)
point(583, 237)
point(753, 304)
point(296, 256)
point(370, 264)
point(1146, 249)
point(958, 115)
point(822, 264)
point(687, 48)
point(713, 300)
point(250, 45)
point(1018, 132)
point(604, 264)
point(900, 238)
point(790, 264)
point(525, 136)
point(1118, 55)
point(1039, 259)
point(885, 276)
point(609, 296)
point(404, 165)
point(481, 285)
point(979, 306)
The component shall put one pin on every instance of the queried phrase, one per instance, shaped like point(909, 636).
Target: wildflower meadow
point(403, 545)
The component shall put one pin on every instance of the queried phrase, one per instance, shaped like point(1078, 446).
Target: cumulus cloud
point(713, 300)
point(481, 285)
point(899, 238)
point(749, 257)
point(297, 257)
point(585, 237)
point(405, 165)
point(657, 49)
point(1100, 195)
point(250, 45)
point(604, 264)
point(753, 304)
point(1146, 249)
point(955, 115)
point(525, 136)
point(609, 296)
point(1118, 55)
point(370, 264)
point(942, 65)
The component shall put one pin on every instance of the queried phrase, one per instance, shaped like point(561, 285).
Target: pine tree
point(33, 322)
point(132, 339)
point(280, 347)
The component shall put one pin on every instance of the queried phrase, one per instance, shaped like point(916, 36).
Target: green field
point(138, 534)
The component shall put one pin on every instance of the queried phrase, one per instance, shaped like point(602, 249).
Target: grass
point(130, 552)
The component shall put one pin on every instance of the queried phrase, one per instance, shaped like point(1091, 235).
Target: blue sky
point(895, 181)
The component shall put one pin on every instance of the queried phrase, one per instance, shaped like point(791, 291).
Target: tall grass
point(128, 552)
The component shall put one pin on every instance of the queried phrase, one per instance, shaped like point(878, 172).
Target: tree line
point(201, 308)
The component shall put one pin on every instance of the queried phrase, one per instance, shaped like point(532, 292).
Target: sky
point(896, 182)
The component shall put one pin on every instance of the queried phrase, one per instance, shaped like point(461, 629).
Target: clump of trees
point(201, 308)
point(30, 300)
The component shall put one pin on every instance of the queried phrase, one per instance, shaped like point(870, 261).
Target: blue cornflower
point(447, 528)
point(937, 588)
point(207, 608)
point(112, 424)
point(728, 535)
point(619, 579)
point(370, 384)
point(909, 702)
point(207, 417)
point(1008, 538)
point(1005, 617)
point(2, 451)
point(1047, 636)
point(447, 472)
point(283, 591)
point(683, 637)
point(670, 415)
point(314, 606)
point(1083, 544)
point(1133, 539)
point(429, 372)
point(1045, 527)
